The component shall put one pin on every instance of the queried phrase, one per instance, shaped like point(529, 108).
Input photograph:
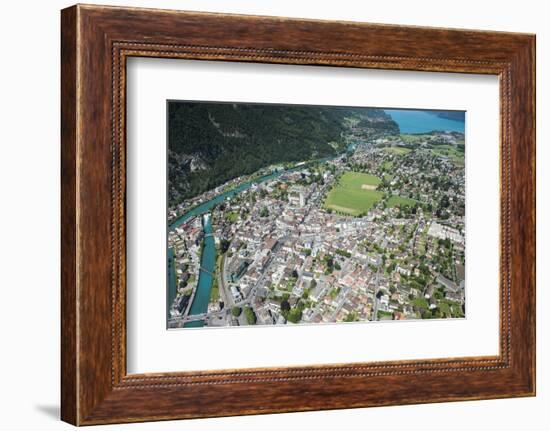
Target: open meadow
point(354, 194)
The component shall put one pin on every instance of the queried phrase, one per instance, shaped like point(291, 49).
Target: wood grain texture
point(96, 41)
point(69, 397)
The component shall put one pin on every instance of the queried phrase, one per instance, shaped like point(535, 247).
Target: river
point(208, 262)
point(208, 205)
point(208, 256)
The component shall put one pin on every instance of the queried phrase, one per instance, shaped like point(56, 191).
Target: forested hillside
point(210, 143)
point(375, 122)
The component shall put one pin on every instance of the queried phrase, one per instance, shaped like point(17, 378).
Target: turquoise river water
point(208, 256)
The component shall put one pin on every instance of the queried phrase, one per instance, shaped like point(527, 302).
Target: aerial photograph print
point(305, 214)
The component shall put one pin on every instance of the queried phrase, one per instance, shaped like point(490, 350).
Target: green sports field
point(395, 200)
point(398, 150)
point(451, 152)
point(354, 194)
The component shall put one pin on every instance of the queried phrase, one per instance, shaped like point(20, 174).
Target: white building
point(443, 232)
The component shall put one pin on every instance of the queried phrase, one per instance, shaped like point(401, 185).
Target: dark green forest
point(211, 143)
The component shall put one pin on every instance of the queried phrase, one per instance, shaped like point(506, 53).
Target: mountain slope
point(210, 143)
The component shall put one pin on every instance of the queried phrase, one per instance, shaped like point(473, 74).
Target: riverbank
point(208, 271)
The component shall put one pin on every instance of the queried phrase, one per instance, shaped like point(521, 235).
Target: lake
point(417, 121)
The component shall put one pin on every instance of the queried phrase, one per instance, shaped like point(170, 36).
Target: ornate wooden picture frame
point(96, 41)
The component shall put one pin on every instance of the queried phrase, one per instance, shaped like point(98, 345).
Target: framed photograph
point(267, 215)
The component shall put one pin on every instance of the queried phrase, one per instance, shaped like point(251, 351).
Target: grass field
point(388, 164)
point(449, 151)
point(398, 150)
point(414, 138)
point(398, 200)
point(350, 197)
point(232, 216)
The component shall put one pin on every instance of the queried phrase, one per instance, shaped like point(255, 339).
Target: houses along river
point(201, 297)
point(206, 274)
point(208, 256)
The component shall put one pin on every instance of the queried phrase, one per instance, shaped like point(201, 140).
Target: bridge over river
point(201, 298)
